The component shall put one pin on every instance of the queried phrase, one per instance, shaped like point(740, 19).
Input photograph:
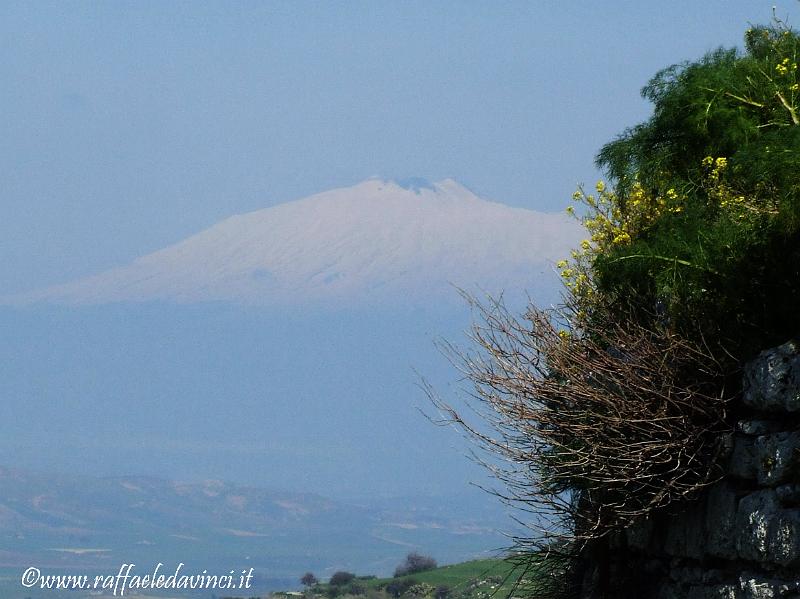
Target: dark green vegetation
point(718, 164)
point(415, 563)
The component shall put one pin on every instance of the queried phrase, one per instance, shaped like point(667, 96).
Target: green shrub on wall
point(699, 227)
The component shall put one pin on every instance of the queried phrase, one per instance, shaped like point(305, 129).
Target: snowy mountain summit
point(378, 240)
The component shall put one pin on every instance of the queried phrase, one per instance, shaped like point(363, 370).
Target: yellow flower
point(570, 210)
point(622, 238)
point(600, 187)
point(561, 264)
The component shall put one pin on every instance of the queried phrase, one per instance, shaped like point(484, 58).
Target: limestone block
point(756, 586)
point(777, 458)
point(772, 380)
point(754, 517)
point(784, 540)
point(766, 532)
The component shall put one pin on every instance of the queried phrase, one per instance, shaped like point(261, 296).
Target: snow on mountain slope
point(375, 241)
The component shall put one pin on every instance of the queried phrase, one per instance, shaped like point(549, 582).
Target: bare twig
point(587, 432)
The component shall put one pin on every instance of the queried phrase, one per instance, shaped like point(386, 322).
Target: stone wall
point(741, 539)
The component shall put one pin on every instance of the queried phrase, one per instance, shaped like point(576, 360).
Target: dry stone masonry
point(741, 539)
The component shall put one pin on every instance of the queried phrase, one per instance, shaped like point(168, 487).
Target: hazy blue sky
point(129, 125)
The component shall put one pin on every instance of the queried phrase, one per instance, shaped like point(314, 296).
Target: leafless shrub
point(588, 431)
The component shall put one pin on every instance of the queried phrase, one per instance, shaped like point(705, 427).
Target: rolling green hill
point(477, 579)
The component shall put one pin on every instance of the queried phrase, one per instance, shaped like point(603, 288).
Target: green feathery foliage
point(718, 167)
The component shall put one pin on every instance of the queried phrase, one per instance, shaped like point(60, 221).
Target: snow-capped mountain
point(377, 240)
